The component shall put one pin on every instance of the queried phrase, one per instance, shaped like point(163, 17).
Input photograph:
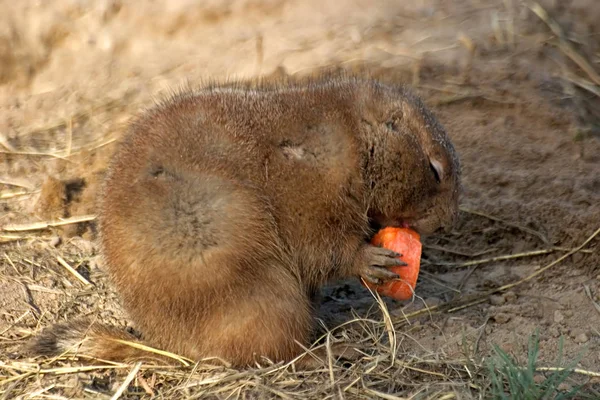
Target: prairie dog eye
point(437, 169)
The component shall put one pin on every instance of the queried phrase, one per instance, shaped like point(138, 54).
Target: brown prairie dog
point(225, 210)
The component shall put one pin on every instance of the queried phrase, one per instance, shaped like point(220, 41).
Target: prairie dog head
point(409, 164)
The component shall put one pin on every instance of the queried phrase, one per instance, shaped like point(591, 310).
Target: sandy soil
point(524, 118)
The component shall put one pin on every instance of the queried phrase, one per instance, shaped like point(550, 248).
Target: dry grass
point(579, 74)
point(389, 369)
point(375, 373)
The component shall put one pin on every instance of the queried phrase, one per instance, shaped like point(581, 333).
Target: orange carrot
point(408, 243)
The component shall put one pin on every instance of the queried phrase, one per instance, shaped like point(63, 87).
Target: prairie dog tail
point(98, 341)
point(109, 343)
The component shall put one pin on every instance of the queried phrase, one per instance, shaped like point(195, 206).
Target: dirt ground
point(519, 98)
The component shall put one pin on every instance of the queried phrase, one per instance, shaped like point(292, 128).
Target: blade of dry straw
point(185, 361)
point(35, 153)
point(582, 83)
point(12, 379)
point(564, 45)
point(47, 224)
point(40, 392)
point(127, 381)
point(22, 183)
point(532, 253)
point(382, 395)
point(330, 361)
point(389, 324)
point(35, 368)
point(576, 370)
point(72, 270)
point(588, 293)
point(16, 321)
point(12, 238)
point(552, 264)
point(511, 224)
point(9, 194)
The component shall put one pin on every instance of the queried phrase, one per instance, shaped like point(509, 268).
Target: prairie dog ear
point(437, 169)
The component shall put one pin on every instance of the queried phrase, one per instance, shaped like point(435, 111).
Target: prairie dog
point(225, 209)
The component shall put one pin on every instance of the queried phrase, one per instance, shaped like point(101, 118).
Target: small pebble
point(568, 313)
point(501, 318)
point(510, 297)
point(552, 331)
point(539, 379)
point(433, 301)
point(564, 387)
point(578, 257)
point(416, 327)
point(497, 300)
point(558, 317)
point(581, 338)
point(508, 347)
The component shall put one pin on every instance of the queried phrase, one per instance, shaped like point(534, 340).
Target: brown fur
point(227, 208)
